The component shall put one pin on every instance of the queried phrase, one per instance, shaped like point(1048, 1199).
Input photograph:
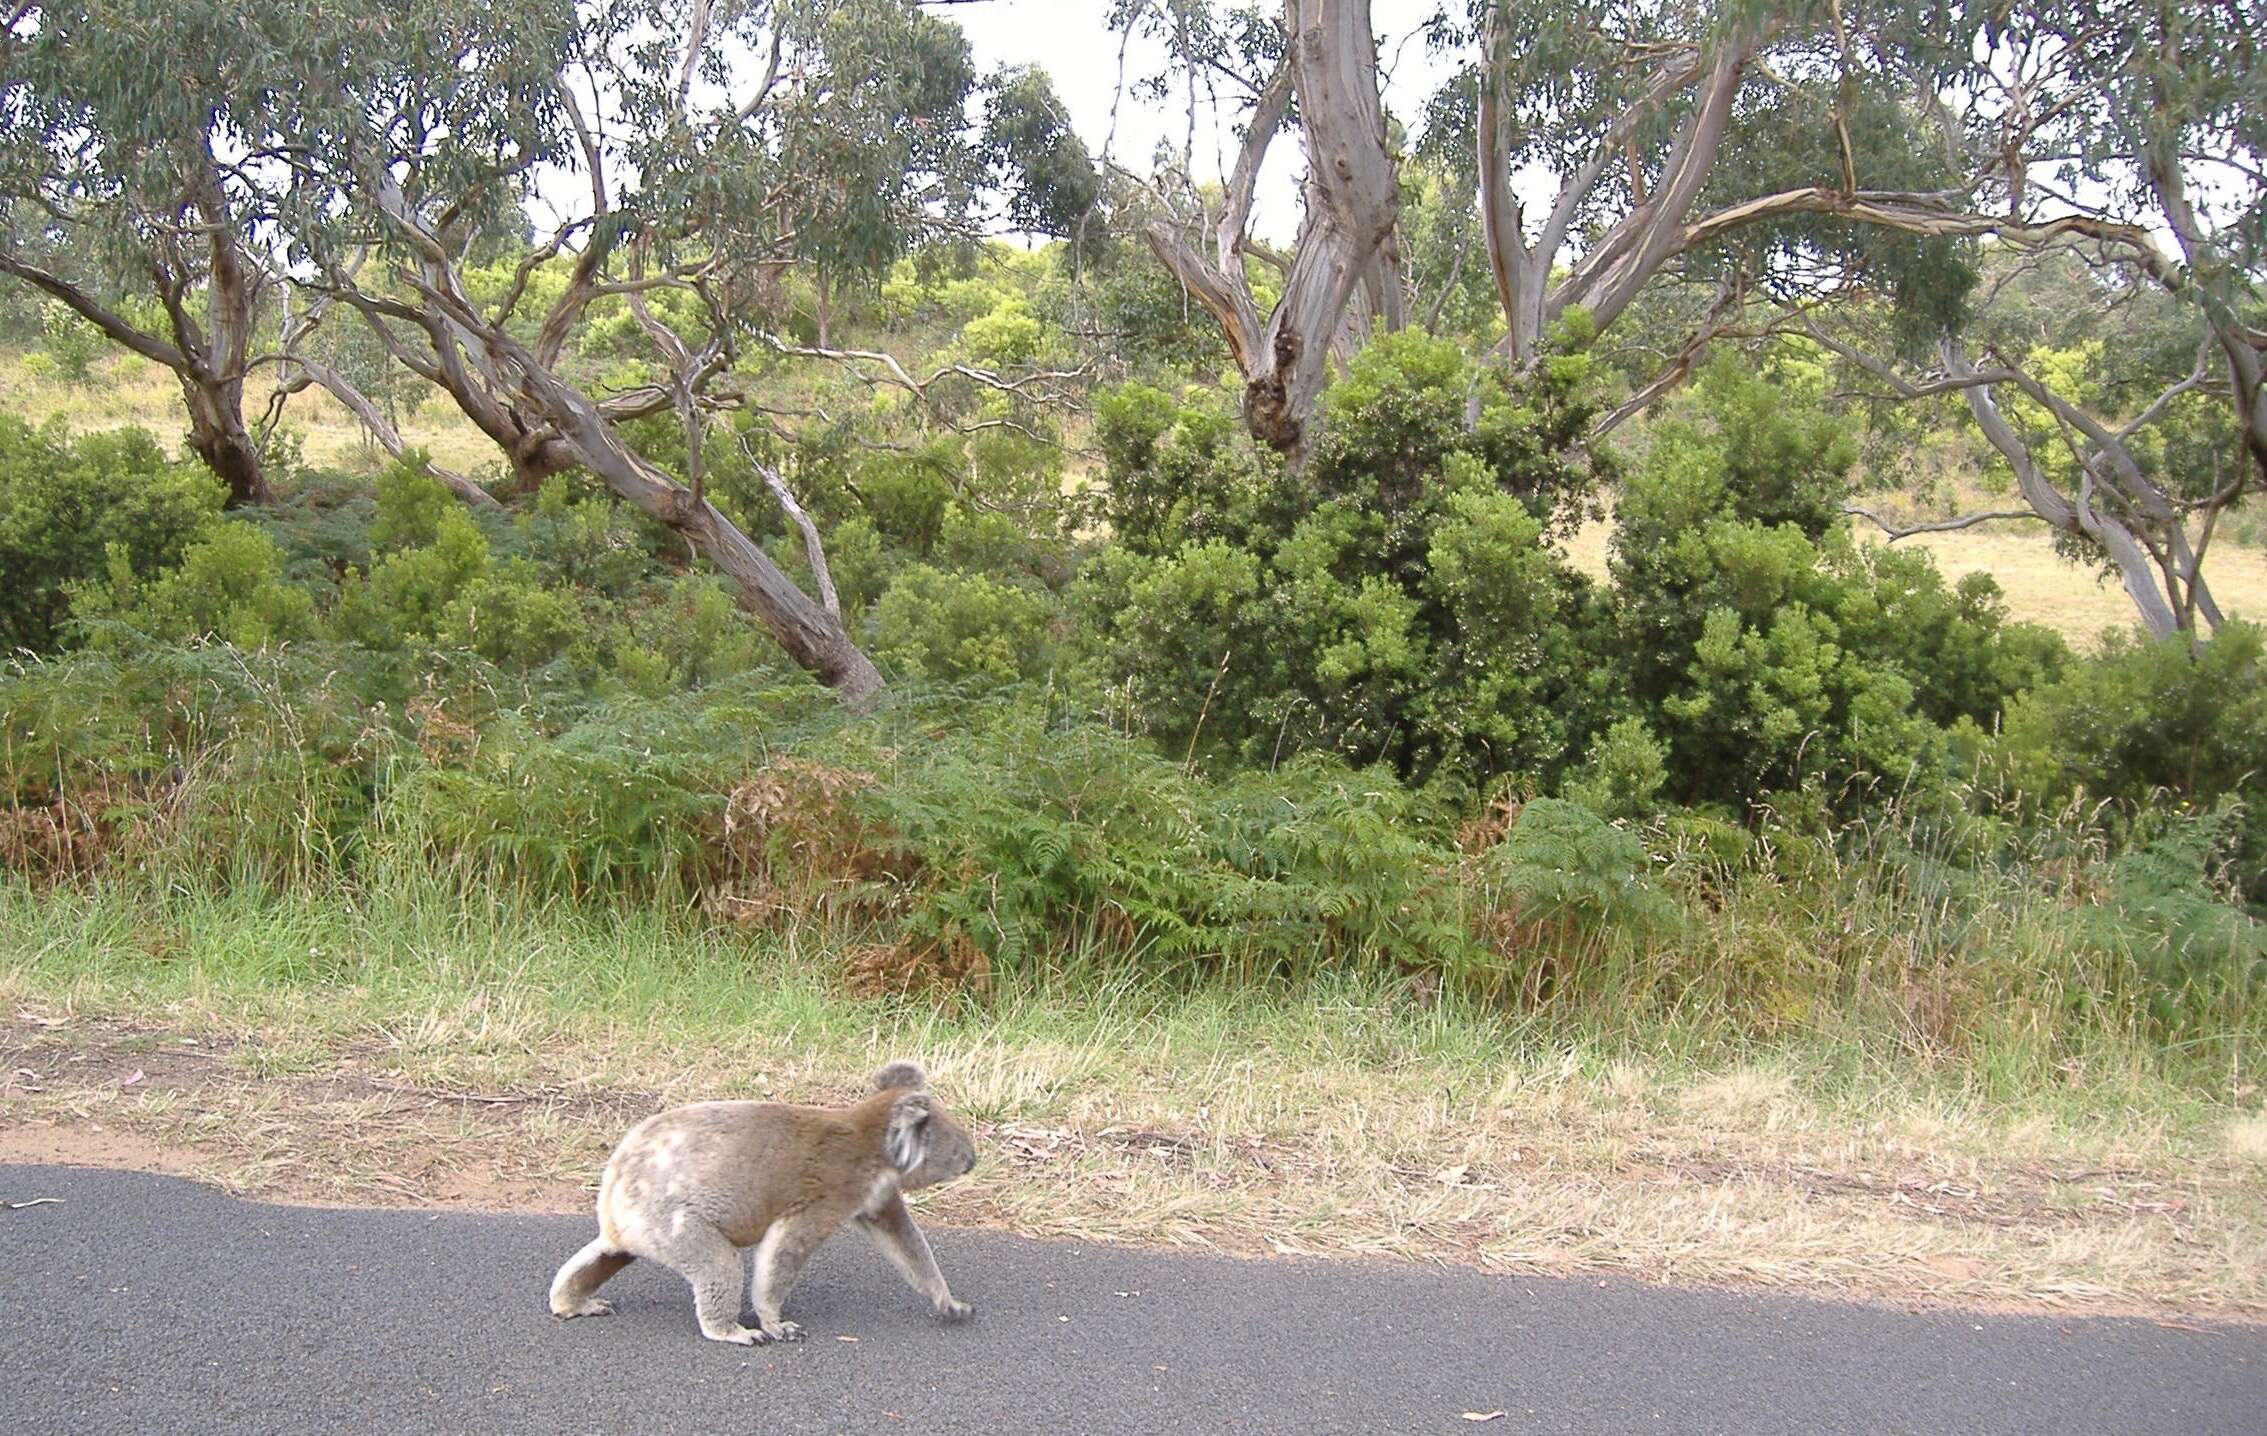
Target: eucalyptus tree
point(689, 154)
point(129, 189)
point(2140, 133)
point(2103, 410)
point(1601, 143)
point(1316, 65)
point(1803, 149)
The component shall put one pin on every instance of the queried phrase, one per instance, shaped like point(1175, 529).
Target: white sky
point(1070, 41)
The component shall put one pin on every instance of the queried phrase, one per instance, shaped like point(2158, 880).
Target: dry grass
point(130, 390)
point(1541, 1165)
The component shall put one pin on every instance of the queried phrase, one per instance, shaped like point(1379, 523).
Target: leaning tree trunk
point(2136, 569)
point(813, 633)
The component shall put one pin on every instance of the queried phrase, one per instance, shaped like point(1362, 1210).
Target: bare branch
point(696, 38)
point(1716, 323)
point(1236, 212)
point(762, 96)
point(898, 376)
point(1895, 531)
point(371, 418)
point(2156, 406)
point(812, 549)
point(87, 307)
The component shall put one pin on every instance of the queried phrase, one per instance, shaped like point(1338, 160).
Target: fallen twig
point(493, 1099)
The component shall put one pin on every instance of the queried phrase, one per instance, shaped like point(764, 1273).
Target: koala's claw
point(787, 1331)
point(588, 1308)
point(955, 1310)
point(739, 1336)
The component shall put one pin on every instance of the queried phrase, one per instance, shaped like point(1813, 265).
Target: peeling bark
point(1346, 269)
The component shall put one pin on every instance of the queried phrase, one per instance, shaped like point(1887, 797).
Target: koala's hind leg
point(891, 1228)
point(699, 1253)
point(584, 1273)
point(779, 1261)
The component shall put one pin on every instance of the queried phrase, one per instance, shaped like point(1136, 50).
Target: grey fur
point(900, 1073)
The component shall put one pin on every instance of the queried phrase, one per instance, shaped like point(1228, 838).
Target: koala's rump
point(740, 1166)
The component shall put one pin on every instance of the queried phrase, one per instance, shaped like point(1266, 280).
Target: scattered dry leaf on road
point(1482, 1415)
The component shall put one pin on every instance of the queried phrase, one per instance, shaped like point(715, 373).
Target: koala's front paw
point(738, 1336)
point(952, 1310)
point(786, 1331)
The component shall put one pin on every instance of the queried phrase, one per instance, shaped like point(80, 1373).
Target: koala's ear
point(900, 1073)
point(905, 1142)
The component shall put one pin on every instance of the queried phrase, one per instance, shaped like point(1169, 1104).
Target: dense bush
point(956, 844)
point(1765, 647)
point(1399, 599)
point(2147, 724)
point(1395, 601)
point(1208, 715)
point(229, 585)
point(71, 508)
point(69, 346)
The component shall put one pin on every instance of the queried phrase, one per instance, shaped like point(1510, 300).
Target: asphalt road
point(146, 1304)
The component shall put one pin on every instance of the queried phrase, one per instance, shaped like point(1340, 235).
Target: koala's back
point(739, 1165)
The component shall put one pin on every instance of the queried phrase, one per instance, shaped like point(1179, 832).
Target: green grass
point(1337, 1115)
point(332, 962)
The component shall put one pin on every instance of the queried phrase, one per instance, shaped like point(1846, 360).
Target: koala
point(692, 1186)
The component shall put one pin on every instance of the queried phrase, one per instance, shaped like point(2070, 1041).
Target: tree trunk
point(217, 436)
point(1348, 247)
point(814, 637)
point(2135, 569)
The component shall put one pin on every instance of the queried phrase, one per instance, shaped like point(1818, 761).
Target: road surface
point(147, 1304)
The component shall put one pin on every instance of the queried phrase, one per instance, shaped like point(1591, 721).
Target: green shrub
point(69, 345)
point(945, 627)
point(589, 543)
point(417, 581)
point(2148, 724)
point(1623, 774)
point(698, 632)
point(509, 618)
point(66, 503)
point(322, 526)
point(1767, 648)
point(1394, 602)
point(229, 585)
